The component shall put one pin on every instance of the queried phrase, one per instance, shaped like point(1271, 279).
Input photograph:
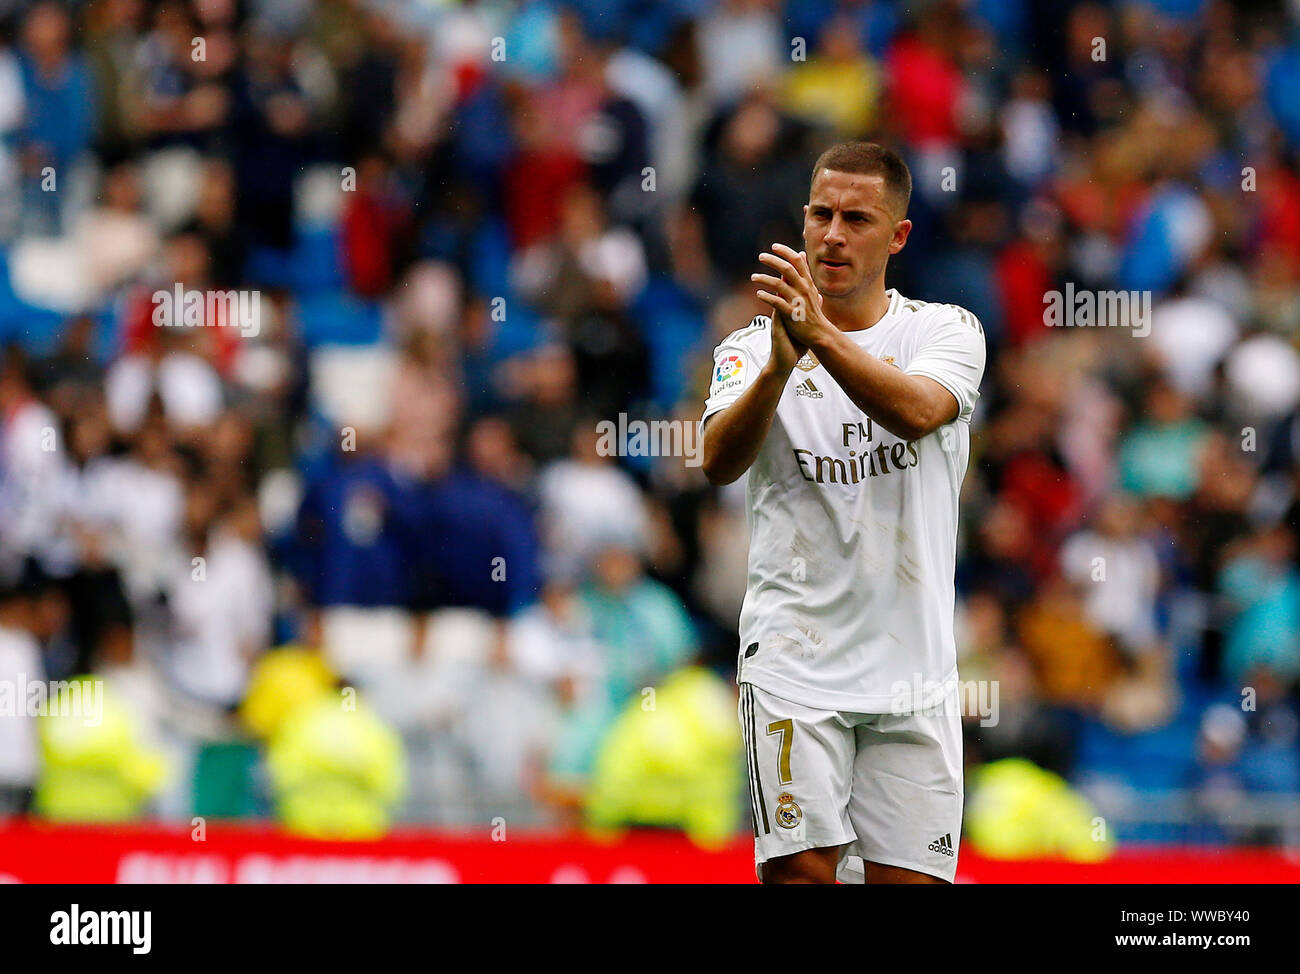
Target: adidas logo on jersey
point(943, 845)
point(806, 388)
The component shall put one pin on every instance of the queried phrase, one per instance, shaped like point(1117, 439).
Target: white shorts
point(887, 788)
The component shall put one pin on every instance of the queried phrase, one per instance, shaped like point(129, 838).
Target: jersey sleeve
point(736, 363)
point(952, 353)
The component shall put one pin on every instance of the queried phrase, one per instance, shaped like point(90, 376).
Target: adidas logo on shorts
point(943, 845)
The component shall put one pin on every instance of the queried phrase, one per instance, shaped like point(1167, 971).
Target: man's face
point(849, 231)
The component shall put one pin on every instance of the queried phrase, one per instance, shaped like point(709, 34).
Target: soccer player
point(849, 407)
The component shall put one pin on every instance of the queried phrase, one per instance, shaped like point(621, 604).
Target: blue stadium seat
point(315, 262)
point(1161, 758)
point(36, 329)
point(337, 318)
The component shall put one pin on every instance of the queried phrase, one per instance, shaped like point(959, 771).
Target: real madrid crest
point(808, 362)
point(788, 814)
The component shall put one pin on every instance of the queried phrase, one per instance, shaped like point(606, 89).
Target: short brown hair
point(870, 159)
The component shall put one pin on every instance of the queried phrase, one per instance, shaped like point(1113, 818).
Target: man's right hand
point(786, 351)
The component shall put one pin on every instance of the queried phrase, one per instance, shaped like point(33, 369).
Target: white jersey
point(853, 531)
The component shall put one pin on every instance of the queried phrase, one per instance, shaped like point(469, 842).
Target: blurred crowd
point(473, 231)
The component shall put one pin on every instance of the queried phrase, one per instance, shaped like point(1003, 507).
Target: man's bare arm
point(732, 438)
point(909, 406)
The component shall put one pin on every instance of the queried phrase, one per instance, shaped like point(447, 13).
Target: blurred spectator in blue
point(1166, 236)
point(60, 120)
point(273, 128)
point(1160, 455)
point(354, 531)
point(1262, 584)
point(1282, 90)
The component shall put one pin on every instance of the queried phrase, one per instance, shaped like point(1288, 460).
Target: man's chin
point(838, 289)
point(842, 287)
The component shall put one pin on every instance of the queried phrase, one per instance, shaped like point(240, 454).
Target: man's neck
point(857, 312)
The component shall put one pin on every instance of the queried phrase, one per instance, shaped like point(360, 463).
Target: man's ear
point(901, 231)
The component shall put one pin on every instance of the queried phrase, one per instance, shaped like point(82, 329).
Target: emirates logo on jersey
point(856, 467)
point(862, 459)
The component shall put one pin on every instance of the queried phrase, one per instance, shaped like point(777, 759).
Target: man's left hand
point(793, 293)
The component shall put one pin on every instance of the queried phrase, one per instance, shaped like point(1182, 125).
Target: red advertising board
point(240, 853)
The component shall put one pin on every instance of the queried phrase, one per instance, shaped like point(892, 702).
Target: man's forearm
point(899, 402)
point(733, 437)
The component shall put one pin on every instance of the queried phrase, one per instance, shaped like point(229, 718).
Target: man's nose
point(835, 232)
